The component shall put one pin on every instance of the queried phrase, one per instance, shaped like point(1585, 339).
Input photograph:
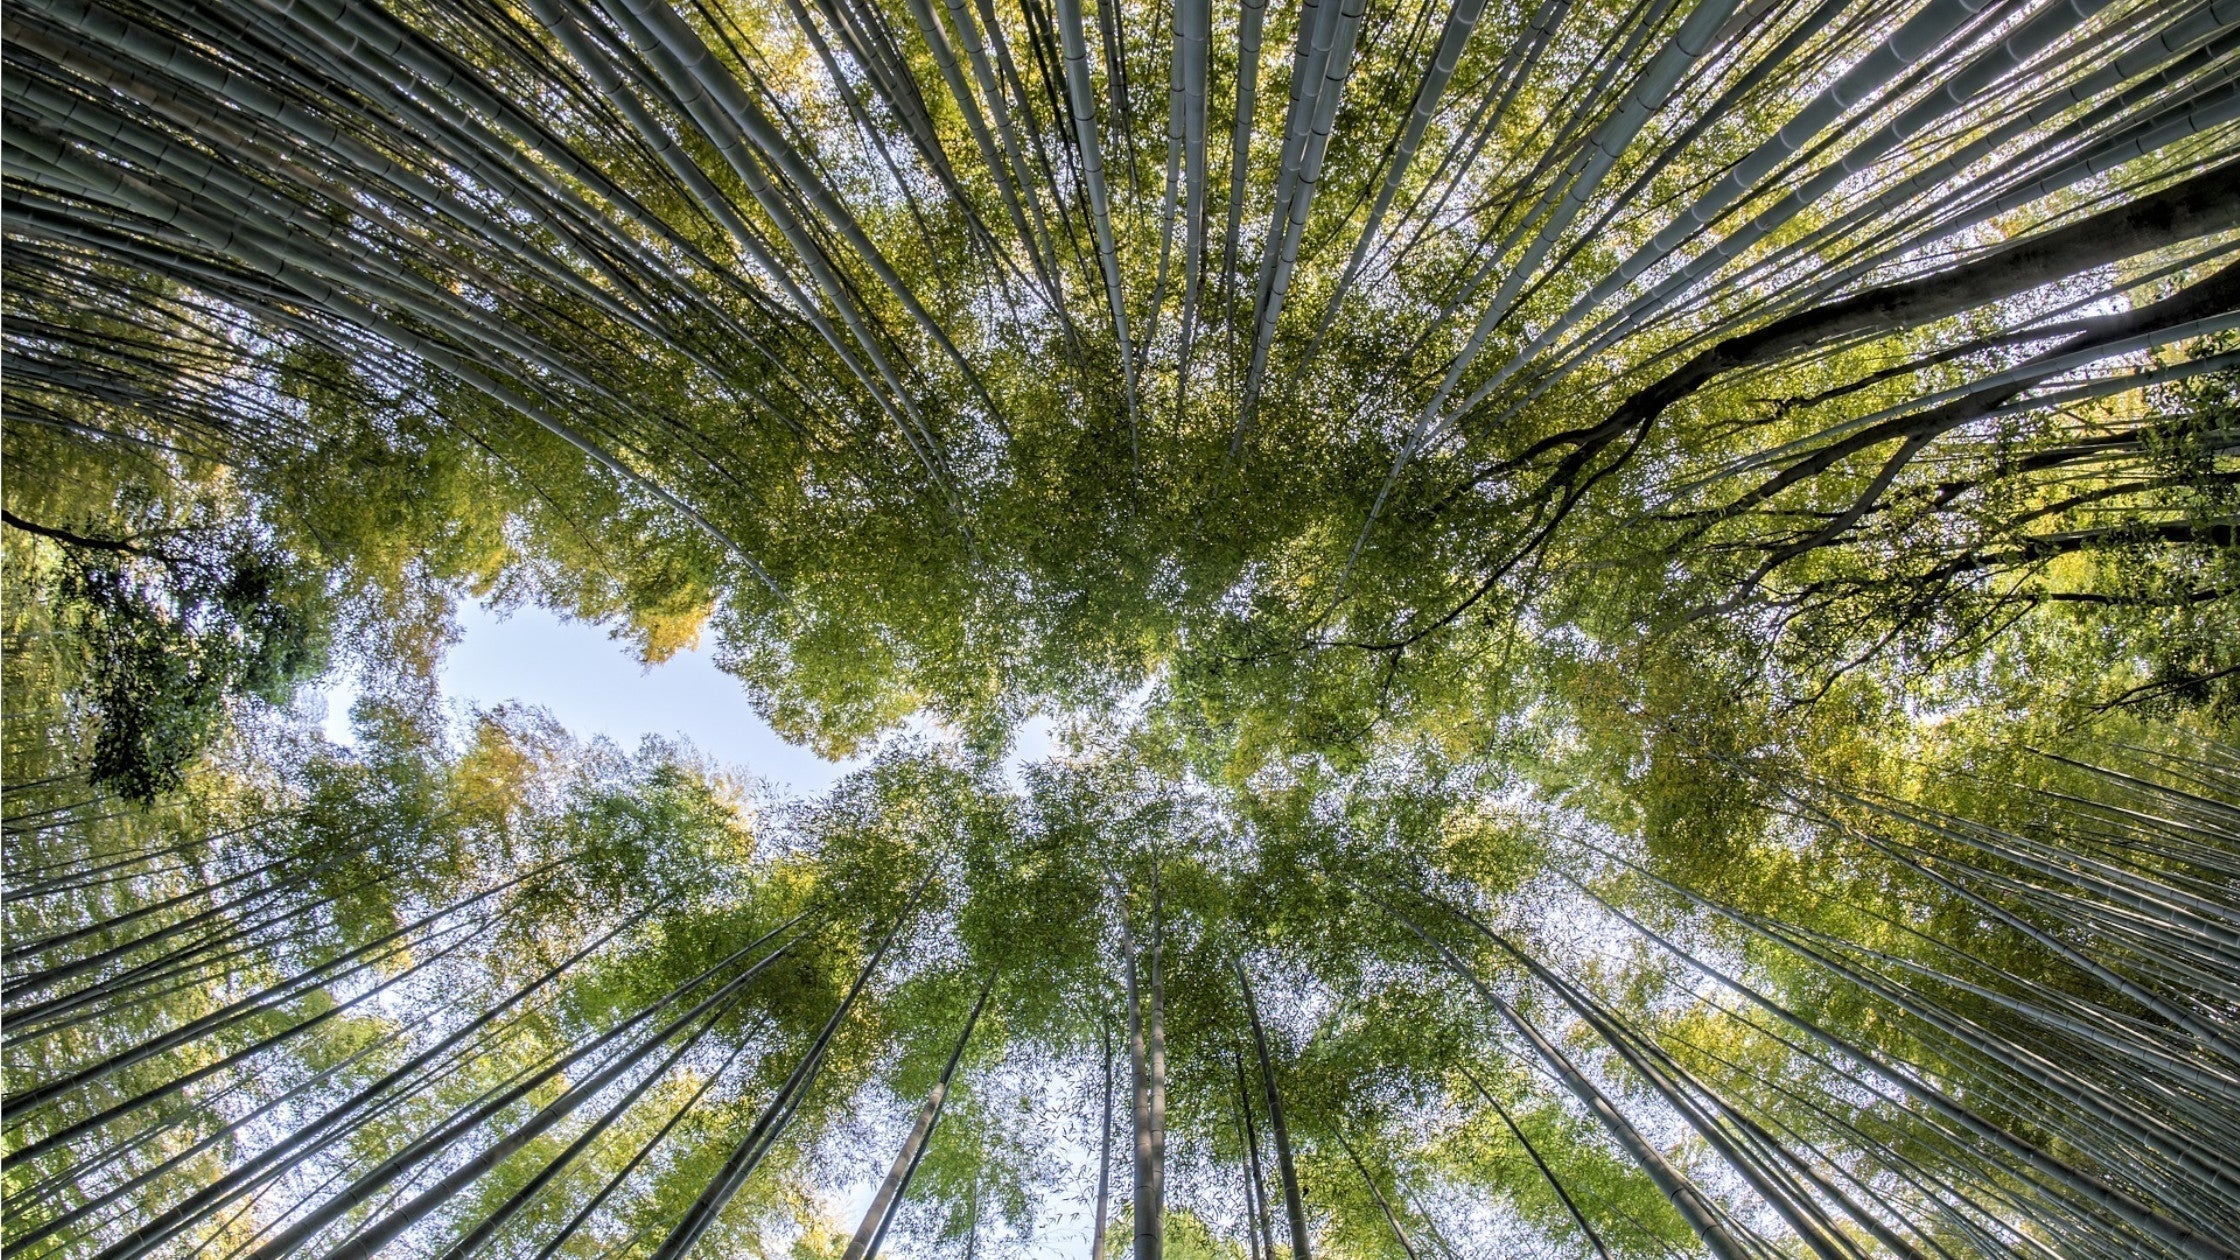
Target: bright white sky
point(595, 686)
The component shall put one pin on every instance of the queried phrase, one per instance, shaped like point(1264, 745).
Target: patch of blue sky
point(594, 685)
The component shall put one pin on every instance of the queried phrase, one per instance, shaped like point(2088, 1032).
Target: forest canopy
point(1639, 598)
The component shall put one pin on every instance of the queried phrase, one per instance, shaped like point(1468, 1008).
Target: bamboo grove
point(1639, 597)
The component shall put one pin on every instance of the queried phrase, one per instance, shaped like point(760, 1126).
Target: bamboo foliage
point(1848, 324)
point(335, 192)
point(2003, 1030)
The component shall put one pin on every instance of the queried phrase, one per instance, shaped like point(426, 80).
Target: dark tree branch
point(125, 546)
